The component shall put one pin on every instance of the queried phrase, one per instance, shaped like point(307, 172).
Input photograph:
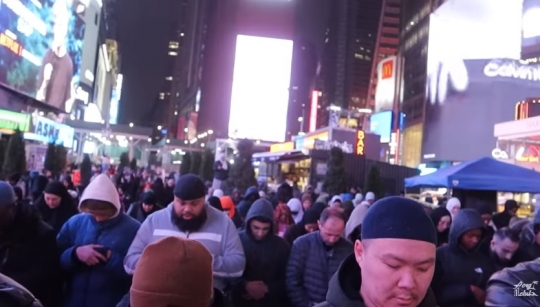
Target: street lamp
point(159, 127)
point(131, 125)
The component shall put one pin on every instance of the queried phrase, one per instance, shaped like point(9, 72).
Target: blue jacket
point(311, 266)
point(101, 285)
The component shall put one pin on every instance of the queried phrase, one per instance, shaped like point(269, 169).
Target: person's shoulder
point(324, 304)
point(522, 272)
point(305, 239)
point(79, 219)
point(129, 222)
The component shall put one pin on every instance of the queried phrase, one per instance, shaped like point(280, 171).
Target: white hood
point(296, 206)
point(102, 188)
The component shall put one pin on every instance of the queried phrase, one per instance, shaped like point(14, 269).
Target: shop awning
point(281, 155)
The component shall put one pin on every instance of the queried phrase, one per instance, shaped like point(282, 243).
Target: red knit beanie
point(173, 272)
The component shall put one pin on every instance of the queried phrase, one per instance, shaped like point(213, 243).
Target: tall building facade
point(387, 41)
point(414, 51)
point(187, 48)
point(272, 19)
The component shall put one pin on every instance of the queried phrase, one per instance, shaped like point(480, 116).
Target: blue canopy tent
point(486, 174)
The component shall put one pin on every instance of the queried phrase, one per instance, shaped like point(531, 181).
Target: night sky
point(143, 27)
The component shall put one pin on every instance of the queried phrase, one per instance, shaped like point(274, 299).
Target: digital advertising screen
point(41, 45)
point(260, 91)
point(474, 76)
point(531, 23)
point(381, 124)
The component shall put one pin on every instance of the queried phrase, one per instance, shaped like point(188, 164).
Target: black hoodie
point(266, 261)
point(456, 269)
point(344, 288)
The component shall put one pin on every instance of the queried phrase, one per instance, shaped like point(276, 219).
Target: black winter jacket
point(311, 266)
point(13, 294)
point(29, 255)
point(344, 288)
point(502, 286)
point(266, 261)
point(456, 269)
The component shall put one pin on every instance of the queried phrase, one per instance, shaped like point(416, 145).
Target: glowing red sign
point(313, 111)
point(387, 70)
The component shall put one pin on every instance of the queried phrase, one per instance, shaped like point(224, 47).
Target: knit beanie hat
point(398, 218)
point(189, 187)
point(173, 272)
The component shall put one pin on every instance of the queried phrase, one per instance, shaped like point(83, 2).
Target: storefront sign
point(49, 131)
point(308, 141)
point(282, 147)
point(13, 121)
point(327, 145)
point(499, 154)
point(360, 135)
point(529, 154)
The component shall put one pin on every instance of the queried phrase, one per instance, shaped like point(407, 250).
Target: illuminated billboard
point(474, 76)
point(386, 84)
point(40, 48)
point(260, 90)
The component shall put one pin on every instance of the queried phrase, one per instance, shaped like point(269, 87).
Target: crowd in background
point(135, 239)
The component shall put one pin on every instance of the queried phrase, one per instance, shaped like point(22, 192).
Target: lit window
point(169, 78)
point(173, 45)
point(173, 53)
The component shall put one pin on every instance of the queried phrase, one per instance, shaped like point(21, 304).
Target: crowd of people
point(137, 241)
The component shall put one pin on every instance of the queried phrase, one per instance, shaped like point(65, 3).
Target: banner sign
point(13, 121)
point(49, 131)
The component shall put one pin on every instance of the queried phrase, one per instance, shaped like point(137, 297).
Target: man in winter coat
point(529, 245)
point(13, 294)
point(517, 286)
point(315, 257)
point(263, 281)
point(462, 269)
point(501, 220)
point(393, 264)
point(28, 252)
point(94, 244)
point(190, 217)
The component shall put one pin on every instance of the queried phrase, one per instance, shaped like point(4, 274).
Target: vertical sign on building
point(360, 135)
point(313, 111)
point(386, 84)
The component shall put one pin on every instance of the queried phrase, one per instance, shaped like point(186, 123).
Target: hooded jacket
point(266, 260)
point(29, 255)
point(228, 206)
point(344, 288)
point(297, 212)
point(436, 215)
point(501, 286)
point(457, 269)
point(58, 216)
point(528, 248)
point(356, 219)
point(13, 294)
point(104, 284)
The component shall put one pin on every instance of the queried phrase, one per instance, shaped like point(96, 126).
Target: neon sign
point(360, 135)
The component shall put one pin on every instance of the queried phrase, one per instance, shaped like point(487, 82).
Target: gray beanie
point(7, 195)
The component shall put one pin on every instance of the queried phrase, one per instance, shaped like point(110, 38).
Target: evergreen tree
point(61, 159)
point(186, 164)
point(15, 160)
point(242, 173)
point(374, 182)
point(86, 170)
point(124, 162)
point(335, 181)
point(50, 159)
point(196, 159)
point(133, 164)
point(206, 171)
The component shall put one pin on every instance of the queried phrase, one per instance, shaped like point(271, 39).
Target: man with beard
point(191, 218)
point(504, 245)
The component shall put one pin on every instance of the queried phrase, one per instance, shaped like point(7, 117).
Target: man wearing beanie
point(28, 251)
point(190, 217)
point(393, 264)
point(173, 272)
point(462, 268)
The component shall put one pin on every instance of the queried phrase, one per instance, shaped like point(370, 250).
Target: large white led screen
point(260, 91)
